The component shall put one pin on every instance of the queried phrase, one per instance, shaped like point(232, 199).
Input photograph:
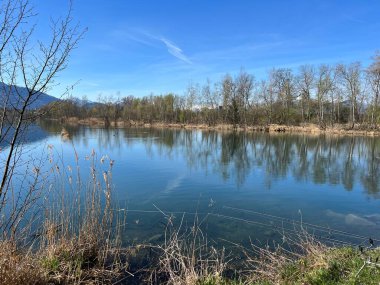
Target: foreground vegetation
point(330, 266)
point(186, 259)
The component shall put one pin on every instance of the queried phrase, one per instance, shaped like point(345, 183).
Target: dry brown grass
point(79, 237)
point(186, 257)
point(269, 264)
point(19, 268)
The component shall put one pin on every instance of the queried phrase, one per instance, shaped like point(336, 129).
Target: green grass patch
point(333, 266)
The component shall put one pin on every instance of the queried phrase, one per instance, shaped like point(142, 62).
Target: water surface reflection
point(326, 180)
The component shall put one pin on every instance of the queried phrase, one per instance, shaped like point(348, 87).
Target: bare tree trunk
point(34, 71)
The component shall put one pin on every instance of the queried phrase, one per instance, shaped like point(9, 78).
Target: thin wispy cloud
point(150, 40)
point(175, 50)
point(134, 35)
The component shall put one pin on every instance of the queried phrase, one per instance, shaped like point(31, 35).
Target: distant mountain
point(15, 100)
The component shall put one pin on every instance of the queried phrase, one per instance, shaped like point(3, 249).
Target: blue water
point(241, 187)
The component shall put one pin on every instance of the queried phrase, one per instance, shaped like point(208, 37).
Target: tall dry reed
point(75, 238)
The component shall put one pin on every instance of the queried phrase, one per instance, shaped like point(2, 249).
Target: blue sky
point(135, 47)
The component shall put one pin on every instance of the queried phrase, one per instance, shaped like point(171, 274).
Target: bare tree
point(266, 96)
point(306, 81)
point(209, 103)
point(192, 97)
point(179, 107)
point(283, 84)
point(28, 68)
point(351, 81)
point(373, 78)
point(335, 96)
point(244, 86)
point(324, 85)
point(228, 93)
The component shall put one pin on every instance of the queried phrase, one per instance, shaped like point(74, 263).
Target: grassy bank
point(332, 266)
point(312, 129)
point(180, 263)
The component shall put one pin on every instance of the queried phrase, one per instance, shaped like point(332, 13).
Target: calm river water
point(243, 186)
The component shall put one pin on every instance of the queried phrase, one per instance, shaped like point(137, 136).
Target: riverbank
point(313, 129)
point(175, 263)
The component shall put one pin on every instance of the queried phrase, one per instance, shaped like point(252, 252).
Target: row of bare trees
point(324, 94)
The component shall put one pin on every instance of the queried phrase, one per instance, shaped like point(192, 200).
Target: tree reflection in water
point(234, 155)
